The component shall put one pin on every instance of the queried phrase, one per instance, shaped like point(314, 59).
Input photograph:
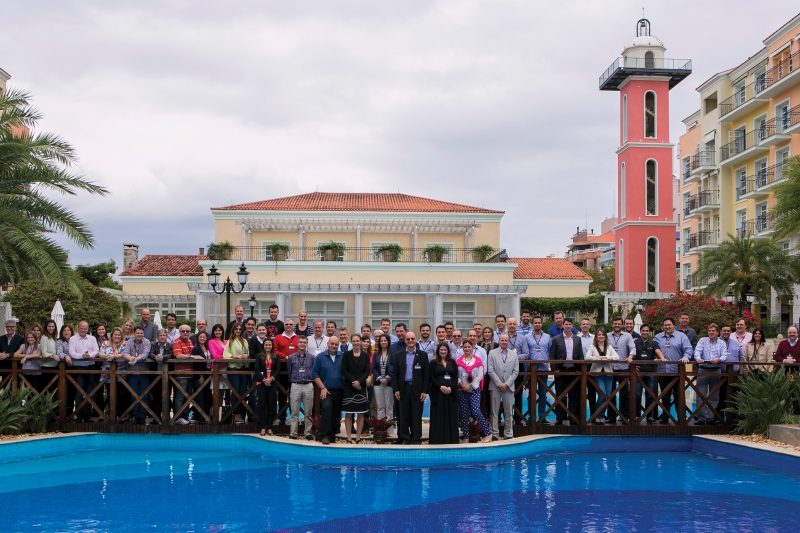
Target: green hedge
point(585, 305)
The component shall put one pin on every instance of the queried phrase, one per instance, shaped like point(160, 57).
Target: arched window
point(650, 114)
point(625, 118)
point(621, 263)
point(649, 60)
point(652, 264)
point(622, 187)
point(650, 187)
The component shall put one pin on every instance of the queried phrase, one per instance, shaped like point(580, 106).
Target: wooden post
point(582, 397)
point(165, 396)
point(112, 394)
point(728, 398)
point(680, 407)
point(532, 403)
point(216, 397)
point(62, 395)
point(14, 372)
point(632, 399)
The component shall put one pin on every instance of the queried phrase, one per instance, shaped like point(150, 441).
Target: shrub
point(12, 410)
point(763, 399)
point(32, 302)
point(702, 310)
point(585, 305)
point(39, 410)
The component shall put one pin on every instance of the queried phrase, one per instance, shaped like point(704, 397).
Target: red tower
point(645, 232)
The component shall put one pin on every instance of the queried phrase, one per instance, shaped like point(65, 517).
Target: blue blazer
point(376, 368)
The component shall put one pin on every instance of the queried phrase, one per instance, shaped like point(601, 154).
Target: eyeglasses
point(186, 331)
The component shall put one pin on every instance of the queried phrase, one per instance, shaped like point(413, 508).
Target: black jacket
point(420, 375)
point(558, 348)
point(256, 347)
point(436, 394)
point(260, 367)
point(355, 369)
point(10, 346)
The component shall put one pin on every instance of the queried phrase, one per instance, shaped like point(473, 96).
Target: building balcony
point(746, 229)
point(695, 282)
point(743, 101)
point(361, 255)
point(793, 125)
point(706, 201)
point(701, 241)
point(748, 190)
point(764, 226)
point(773, 131)
point(687, 176)
point(703, 162)
point(768, 178)
point(747, 145)
point(676, 69)
point(689, 207)
point(780, 77)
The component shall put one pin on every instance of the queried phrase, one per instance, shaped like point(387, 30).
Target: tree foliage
point(32, 302)
point(701, 308)
point(603, 280)
point(32, 165)
point(742, 264)
point(786, 212)
point(99, 275)
point(547, 306)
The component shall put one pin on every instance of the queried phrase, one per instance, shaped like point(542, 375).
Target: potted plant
point(482, 253)
point(390, 253)
point(221, 251)
point(278, 250)
point(331, 250)
point(380, 429)
point(435, 253)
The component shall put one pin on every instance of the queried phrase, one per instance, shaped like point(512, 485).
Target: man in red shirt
point(286, 342)
point(788, 349)
point(182, 350)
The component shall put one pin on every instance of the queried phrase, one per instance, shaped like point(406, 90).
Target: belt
point(710, 367)
point(409, 382)
point(300, 382)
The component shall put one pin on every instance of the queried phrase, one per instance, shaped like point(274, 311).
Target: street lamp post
point(252, 302)
point(228, 287)
point(746, 299)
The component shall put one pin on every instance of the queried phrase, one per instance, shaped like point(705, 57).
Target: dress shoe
point(326, 441)
point(309, 437)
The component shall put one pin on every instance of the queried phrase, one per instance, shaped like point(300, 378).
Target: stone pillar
point(358, 310)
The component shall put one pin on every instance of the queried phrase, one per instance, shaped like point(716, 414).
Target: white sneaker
point(149, 420)
point(182, 421)
point(192, 421)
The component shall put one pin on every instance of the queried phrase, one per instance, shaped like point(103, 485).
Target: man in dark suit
point(410, 382)
point(566, 347)
point(9, 343)
point(239, 313)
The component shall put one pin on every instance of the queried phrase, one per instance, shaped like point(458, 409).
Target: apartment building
point(733, 150)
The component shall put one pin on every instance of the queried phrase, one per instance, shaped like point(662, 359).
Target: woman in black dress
point(355, 371)
point(266, 369)
point(444, 398)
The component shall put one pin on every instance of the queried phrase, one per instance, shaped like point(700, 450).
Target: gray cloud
point(180, 106)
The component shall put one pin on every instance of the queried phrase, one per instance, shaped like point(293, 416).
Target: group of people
point(470, 382)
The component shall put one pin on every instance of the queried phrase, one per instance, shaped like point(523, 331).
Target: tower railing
point(645, 64)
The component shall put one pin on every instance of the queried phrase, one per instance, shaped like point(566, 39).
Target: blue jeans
point(650, 381)
point(603, 384)
point(180, 398)
point(541, 399)
point(239, 383)
point(139, 385)
point(85, 382)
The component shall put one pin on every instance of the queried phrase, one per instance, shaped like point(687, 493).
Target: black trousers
point(518, 399)
point(409, 428)
point(571, 399)
point(265, 404)
point(331, 407)
point(283, 400)
point(671, 397)
point(623, 398)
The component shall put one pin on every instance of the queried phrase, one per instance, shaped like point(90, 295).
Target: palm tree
point(786, 212)
point(31, 166)
point(742, 264)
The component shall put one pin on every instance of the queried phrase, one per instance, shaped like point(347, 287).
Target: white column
point(358, 310)
point(199, 307)
point(414, 245)
point(605, 308)
point(515, 306)
point(358, 243)
point(287, 305)
point(438, 309)
point(280, 301)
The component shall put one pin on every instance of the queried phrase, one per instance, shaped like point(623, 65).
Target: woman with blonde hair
point(602, 351)
point(237, 348)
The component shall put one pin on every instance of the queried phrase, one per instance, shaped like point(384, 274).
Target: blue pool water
point(129, 483)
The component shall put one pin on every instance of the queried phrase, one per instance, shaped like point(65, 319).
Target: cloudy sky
point(179, 106)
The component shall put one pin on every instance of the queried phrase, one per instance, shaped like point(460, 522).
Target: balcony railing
point(780, 71)
point(745, 188)
point(701, 238)
point(741, 96)
point(690, 205)
point(625, 66)
point(687, 173)
point(404, 255)
point(739, 145)
point(769, 176)
point(764, 223)
point(793, 117)
point(773, 126)
point(707, 198)
point(703, 158)
point(695, 281)
point(746, 229)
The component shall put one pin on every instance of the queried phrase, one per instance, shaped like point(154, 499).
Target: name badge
point(447, 377)
point(538, 349)
point(302, 370)
point(417, 367)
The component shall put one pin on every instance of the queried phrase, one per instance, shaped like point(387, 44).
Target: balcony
point(781, 76)
point(773, 131)
point(769, 177)
point(690, 206)
point(700, 241)
point(746, 228)
point(747, 189)
point(687, 175)
point(744, 99)
point(706, 201)
point(694, 282)
point(702, 162)
point(741, 148)
point(675, 69)
point(793, 125)
point(764, 226)
point(352, 254)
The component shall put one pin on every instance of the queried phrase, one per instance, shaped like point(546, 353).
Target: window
point(449, 257)
point(762, 217)
point(622, 191)
point(652, 264)
point(710, 103)
point(649, 60)
point(739, 94)
point(741, 182)
point(396, 312)
point(329, 256)
point(687, 276)
point(686, 232)
point(325, 310)
point(267, 253)
point(183, 310)
point(780, 159)
point(761, 173)
point(625, 118)
point(650, 114)
point(686, 163)
point(621, 270)
point(782, 114)
point(686, 206)
point(741, 221)
point(461, 314)
point(650, 187)
point(386, 256)
point(760, 125)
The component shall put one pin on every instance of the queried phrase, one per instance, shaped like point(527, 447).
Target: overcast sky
point(179, 106)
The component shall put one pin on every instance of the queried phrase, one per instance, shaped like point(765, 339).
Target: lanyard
point(317, 343)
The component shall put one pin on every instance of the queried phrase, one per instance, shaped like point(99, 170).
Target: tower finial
point(643, 27)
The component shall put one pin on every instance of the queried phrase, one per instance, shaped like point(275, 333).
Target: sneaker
point(192, 421)
point(149, 420)
point(182, 421)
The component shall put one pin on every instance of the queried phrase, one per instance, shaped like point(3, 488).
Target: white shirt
point(315, 345)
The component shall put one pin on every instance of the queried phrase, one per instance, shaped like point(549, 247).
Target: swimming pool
point(238, 483)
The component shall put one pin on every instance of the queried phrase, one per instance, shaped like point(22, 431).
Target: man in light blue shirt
point(539, 350)
point(676, 347)
point(734, 353)
point(709, 353)
point(518, 343)
point(623, 344)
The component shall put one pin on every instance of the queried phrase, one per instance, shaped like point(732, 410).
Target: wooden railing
point(217, 417)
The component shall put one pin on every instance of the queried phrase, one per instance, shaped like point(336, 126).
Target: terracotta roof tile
point(605, 237)
point(546, 268)
point(167, 265)
point(334, 201)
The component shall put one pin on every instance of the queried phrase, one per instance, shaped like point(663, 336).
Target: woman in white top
point(602, 351)
point(30, 353)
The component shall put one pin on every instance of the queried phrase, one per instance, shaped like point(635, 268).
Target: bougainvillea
point(702, 310)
